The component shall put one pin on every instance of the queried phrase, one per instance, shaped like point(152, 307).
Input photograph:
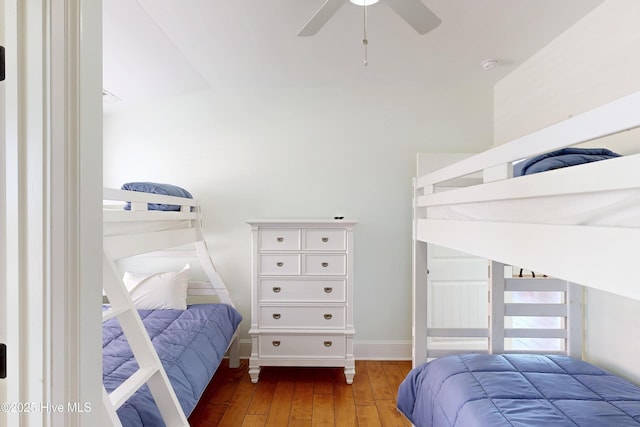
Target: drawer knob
point(325, 239)
point(328, 290)
point(280, 239)
point(276, 289)
point(276, 316)
point(279, 263)
point(275, 343)
point(325, 264)
point(327, 343)
point(328, 316)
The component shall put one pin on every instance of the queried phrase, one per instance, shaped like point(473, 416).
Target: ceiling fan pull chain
point(365, 42)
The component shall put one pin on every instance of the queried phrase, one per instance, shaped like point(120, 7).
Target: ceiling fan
point(413, 11)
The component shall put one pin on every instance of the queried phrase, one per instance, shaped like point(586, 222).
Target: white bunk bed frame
point(598, 256)
point(139, 231)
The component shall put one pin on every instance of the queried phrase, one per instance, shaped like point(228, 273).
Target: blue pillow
point(562, 158)
point(155, 188)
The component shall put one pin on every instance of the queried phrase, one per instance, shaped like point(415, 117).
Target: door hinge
point(1, 63)
point(3, 360)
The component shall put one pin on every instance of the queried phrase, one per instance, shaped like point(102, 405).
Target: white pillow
point(160, 290)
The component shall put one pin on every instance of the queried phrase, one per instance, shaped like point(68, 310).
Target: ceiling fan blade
point(317, 21)
point(416, 14)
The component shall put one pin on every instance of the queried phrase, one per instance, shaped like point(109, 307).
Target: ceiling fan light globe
point(364, 2)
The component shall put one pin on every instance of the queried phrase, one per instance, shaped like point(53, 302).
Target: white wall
point(307, 153)
point(595, 61)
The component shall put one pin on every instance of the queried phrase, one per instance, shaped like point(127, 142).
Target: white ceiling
point(162, 48)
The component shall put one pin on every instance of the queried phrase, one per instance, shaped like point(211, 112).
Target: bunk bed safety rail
point(543, 184)
point(175, 229)
point(141, 198)
point(619, 115)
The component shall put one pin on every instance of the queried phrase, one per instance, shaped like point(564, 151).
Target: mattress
point(190, 343)
point(516, 390)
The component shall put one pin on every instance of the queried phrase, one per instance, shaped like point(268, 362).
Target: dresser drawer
point(302, 346)
point(279, 239)
point(325, 264)
point(325, 240)
point(279, 265)
point(302, 317)
point(272, 290)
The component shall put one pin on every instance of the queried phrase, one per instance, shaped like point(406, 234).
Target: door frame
point(52, 194)
point(3, 249)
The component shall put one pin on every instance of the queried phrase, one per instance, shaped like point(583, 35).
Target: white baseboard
point(362, 350)
point(382, 350)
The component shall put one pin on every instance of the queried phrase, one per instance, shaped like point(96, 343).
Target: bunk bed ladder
point(150, 371)
point(566, 307)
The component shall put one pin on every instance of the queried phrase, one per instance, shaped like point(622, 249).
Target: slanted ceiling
point(157, 49)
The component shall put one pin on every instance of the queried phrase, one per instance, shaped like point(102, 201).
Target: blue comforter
point(562, 158)
point(190, 344)
point(516, 390)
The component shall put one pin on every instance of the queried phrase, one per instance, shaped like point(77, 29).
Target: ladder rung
point(458, 332)
point(535, 333)
point(433, 353)
point(528, 351)
point(131, 385)
point(535, 285)
point(536, 310)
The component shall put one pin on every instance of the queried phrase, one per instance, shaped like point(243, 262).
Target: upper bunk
point(141, 225)
point(578, 223)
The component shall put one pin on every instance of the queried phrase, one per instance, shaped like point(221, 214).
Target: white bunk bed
point(578, 225)
point(142, 386)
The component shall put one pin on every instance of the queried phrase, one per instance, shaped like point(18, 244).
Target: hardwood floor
point(303, 397)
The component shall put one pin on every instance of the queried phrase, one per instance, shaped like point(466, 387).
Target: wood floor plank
point(265, 388)
point(323, 411)
point(280, 408)
point(361, 366)
point(368, 416)
point(323, 381)
point(378, 380)
point(389, 415)
point(395, 374)
point(208, 415)
point(362, 393)
point(405, 365)
point(239, 403)
point(302, 405)
point(258, 420)
point(345, 405)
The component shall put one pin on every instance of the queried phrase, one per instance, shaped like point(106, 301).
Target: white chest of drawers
point(302, 294)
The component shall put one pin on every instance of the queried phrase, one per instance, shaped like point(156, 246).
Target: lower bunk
point(516, 390)
point(190, 344)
